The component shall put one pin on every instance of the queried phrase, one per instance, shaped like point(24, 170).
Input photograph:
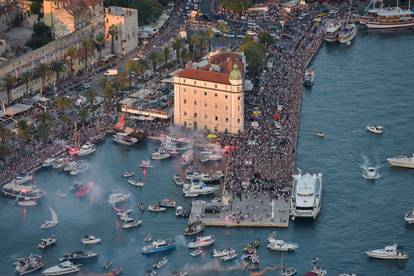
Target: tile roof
point(197, 74)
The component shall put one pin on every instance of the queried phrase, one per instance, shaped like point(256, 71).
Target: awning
point(15, 109)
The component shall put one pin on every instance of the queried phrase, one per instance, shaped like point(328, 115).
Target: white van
point(111, 72)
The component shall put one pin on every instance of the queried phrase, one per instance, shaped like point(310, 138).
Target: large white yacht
point(61, 269)
point(86, 149)
point(402, 161)
point(306, 195)
point(390, 252)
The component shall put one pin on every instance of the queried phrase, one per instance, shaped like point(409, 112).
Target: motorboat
point(309, 78)
point(127, 174)
point(151, 273)
point(199, 188)
point(231, 256)
point(389, 252)
point(63, 268)
point(160, 263)
point(80, 167)
point(319, 133)
point(168, 203)
point(26, 265)
point(195, 175)
point(84, 190)
point(370, 172)
point(26, 203)
point(315, 260)
point(375, 129)
point(409, 217)
point(47, 242)
point(388, 18)
point(348, 274)
point(107, 265)
point(145, 164)
point(86, 149)
point(70, 166)
point(182, 273)
point(22, 178)
point(214, 177)
point(52, 222)
point(196, 252)
point(347, 33)
point(79, 256)
point(280, 245)
point(90, 239)
point(194, 228)
point(158, 246)
point(180, 211)
point(306, 195)
point(131, 223)
point(136, 183)
point(316, 271)
point(117, 197)
point(187, 158)
point(177, 180)
point(156, 208)
point(20, 191)
point(213, 156)
point(402, 161)
point(117, 271)
point(148, 238)
point(332, 31)
point(141, 206)
point(76, 186)
point(124, 139)
point(160, 155)
point(48, 162)
point(60, 163)
point(216, 253)
point(251, 246)
point(288, 271)
point(61, 194)
point(201, 242)
point(190, 195)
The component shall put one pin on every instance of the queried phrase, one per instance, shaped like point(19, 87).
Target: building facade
point(211, 97)
point(68, 16)
point(126, 21)
point(8, 14)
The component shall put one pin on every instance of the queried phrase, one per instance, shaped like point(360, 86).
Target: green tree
point(5, 151)
point(43, 131)
point(266, 39)
point(185, 55)
point(224, 28)
point(72, 53)
point(63, 103)
point(195, 41)
point(236, 6)
point(177, 45)
point(113, 31)
point(108, 92)
point(57, 67)
point(87, 45)
point(121, 81)
point(210, 36)
point(90, 96)
point(100, 40)
point(43, 72)
point(26, 78)
point(23, 131)
point(131, 67)
point(10, 82)
point(154, 58)
point(4, 134)
point(166, 54)
point(83, 114)
point(255, 55)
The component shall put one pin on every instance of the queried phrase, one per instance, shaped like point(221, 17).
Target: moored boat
point(47, 242)
point(389, 252)
point(194, 228)
point(90, 239)
point(409, 217)
point(86, 149)
point(347, 33)
point(201, 242)
point(158, 246)
point(388, 18)
point(29, 264)
point(187, 158)
point(26, 203)
point(309, 78)
point(168, 203)
point(124, 139)
point(177, 180)
point(65, 267)
point(79, 256)
point(331, 32)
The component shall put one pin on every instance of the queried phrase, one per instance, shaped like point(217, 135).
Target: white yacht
point(201, 242)
point(187, 157)
point(306, 195)
point(63, 268)
point(409, 217)
point(370, 172)
point(160, 155)
point(375, 129)
point(124, 139)
point(390, 252)
point(136, 183)
point(48, 162)
point(402, 161)
point(177, 180)
point(89, 239)
point(348, 33)
point(80, 167)
point(50, 223)
point(332, 31)
point(199, 188)
point(86, 149)
point(280, 245)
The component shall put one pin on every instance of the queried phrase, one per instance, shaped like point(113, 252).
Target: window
point(205, 116)
point(195, 102)
point(215, 86)
point(185, 101)
point(205, 93)
point(205, 127)
point(227, 120)
point(195, 115)
point(238, 98)
point(184, 89)
point(184, 80)
point(185, 113)
point(195, 82)
point(185, 124)
point(238, 120)
point(215, 105)
point(216, 118)
point(226, 97)
point(226, 107)
point(205, 104)
point(215, 95)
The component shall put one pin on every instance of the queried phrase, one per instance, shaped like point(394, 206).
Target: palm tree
point(26, 78)
point(4, 133)
point(43, 130)
point(210, 36)
point(10, 82)
point(62, 103)
point(222, 26)
point(121, 81)
point(185, 55)
point(23, 131)
point(83, 114)
point(108, 92)
point(103, 83)
point(43, 72)
point(166, 53)
point(72, 53)
point(153, 58)
point(87, 44)
point(177, 45)
point(90, 96)
point(195, 41)
point(113, 31)
point(100, 40)
point(132, 67)
point(57, 67)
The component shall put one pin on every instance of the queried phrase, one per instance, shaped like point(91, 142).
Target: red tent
point(276, 117)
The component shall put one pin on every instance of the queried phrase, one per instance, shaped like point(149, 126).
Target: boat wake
point(213, 266)
point(369, 172)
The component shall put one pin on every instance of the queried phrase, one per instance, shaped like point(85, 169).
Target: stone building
point(211, 97)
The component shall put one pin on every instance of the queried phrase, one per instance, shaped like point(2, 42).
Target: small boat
point(26, 265)
point(158, 246)
point(76, 186)
point(160, 155)
point(151, 273)
point(177, 180)
point(131, 223)
point(182, 212)
point(80, 167)
point(168, 203)
point(347, 33)
point(280, 245)
point(309, 78)
point(26, 203)
point(319, 133)
point(402, 161)
point(201, 242)
point(86, 149)
point(117, 271)
point(89, 239)
point(409, 217)
point(231, 256)
point(117, 197)
point(183, 273)
point(196, 252)
point(84, 190)
point(107, 265)
point(389, 252)
point(141, 206)
point(63, 268)
point(370, 172)
point(124, 139)
point(156, 208)
point(148, 238)
point(220, 253)
point(288, 271)
point(60, 163)
point(48, 242)
point(48, 162)
point(315, 260)
point(194, 228)
point(22, 178)
point(252, 245)
point(70, 166)
point(348, 274)
point(136, 183)
point(210, 157)
point(187, 158)
point(50, 223)
point(61, 194)
point(160, 263)
point(79, 256)
point(375, 129)
point(316, 271)
point(146, 164)
point(127, 174)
